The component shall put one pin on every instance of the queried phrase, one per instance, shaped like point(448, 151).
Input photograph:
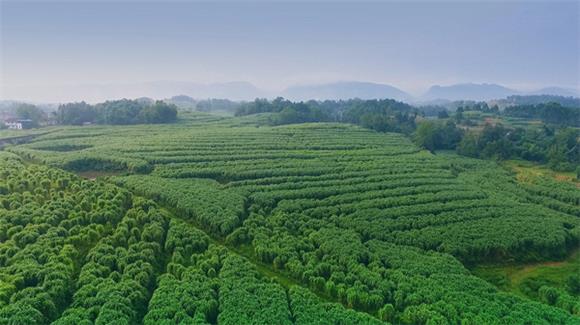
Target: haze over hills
point(473, 91)
point(557, 91)
point(345, 90)
point(246, 91)
point(469, 91)
point(237, 90)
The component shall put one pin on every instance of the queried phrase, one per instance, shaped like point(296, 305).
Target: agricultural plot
point(359, 218)
point(80, 252)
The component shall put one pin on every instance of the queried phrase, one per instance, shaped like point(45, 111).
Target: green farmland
point(219, 220)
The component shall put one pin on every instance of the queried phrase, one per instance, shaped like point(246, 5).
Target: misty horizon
point(246, 91)
point(56, 51)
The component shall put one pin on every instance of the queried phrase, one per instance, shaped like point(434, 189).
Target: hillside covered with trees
point(231, 221)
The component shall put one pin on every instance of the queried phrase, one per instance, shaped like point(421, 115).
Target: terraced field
point(355, 217)
point(80, 252)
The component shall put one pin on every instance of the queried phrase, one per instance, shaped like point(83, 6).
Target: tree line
point(555, 143)
point(384, 115)
point(552, 113)
point(556, 147)
point(116, 112)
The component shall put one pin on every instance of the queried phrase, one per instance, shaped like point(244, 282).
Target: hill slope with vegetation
point(303, 223)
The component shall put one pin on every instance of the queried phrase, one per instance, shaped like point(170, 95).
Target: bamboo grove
point(228, 221)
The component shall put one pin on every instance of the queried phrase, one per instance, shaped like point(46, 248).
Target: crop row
point(82, 252)
point(49, 220)
point(202, 201)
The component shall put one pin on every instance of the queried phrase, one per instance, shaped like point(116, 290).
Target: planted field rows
point(81, 252)
point(361, 218)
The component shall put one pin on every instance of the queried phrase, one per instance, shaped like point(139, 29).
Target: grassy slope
point(526, 171)
point(512, 277)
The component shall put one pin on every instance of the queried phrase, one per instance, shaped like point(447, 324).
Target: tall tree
point(32, 113)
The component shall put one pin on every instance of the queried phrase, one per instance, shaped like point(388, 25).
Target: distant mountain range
point(557, 91)
point(345, 90)
point(471, 91)
point(241, 90)
point(368, 90)
point(468, 92)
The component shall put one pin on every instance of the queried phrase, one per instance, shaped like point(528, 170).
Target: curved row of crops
point(362, 218)
point(82, 252)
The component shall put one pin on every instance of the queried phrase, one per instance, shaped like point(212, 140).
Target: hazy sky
point(411, 45)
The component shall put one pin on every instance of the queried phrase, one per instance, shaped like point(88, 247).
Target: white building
point(18, 124)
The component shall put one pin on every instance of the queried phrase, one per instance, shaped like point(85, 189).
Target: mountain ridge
point(345, 90)
point(246, 91)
